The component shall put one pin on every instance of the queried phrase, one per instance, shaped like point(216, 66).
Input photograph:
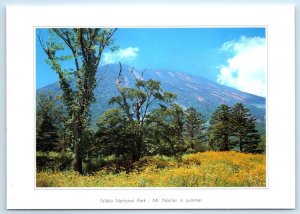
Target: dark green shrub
point(53, 161)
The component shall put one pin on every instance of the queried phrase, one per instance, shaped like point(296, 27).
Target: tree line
point(144, 119)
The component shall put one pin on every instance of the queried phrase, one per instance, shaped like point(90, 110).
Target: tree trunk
point(241, 145)
point(78, 158)
point(137, 151)
point(193, 145)
point(78, 162)
point(225, 143)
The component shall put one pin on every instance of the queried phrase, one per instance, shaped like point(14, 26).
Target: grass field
point(207, 169)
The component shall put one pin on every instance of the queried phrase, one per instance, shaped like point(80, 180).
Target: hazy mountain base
point(206, 169)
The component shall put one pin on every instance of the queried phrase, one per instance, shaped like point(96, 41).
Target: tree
point(194, 126)
point(113, 135)
point(243, 127)
point(261, 148)
point(136, 103)
point(49, 121)
point(85, 47)
point(220, 129)
point(176, 128)
point(165, 132)
point(46, 138)
point(158, 136)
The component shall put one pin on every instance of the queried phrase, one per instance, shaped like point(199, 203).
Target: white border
point(21, 192)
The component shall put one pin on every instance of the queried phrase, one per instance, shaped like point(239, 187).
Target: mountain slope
point(191, 90)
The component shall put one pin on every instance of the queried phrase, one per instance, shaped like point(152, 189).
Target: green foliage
point(243, 127)
point(165, 131)
point(175, 122)
point(220, 129)
point(54, 161)
point(115, 136)
point(84, 46)
point(46, 138)
point(134, 114)
point(48, 104)
point(49, 123)
point(130, 133)
point(194, 128)
point(233, 126)
point(158, 138)
point(145, 120)
point(261, 148)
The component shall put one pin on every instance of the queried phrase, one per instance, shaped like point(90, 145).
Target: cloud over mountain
point(246, 68)
point(122, 54)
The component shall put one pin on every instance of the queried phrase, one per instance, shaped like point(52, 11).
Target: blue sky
point(231, 56)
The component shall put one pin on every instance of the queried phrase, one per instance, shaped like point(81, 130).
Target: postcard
point(151, 107)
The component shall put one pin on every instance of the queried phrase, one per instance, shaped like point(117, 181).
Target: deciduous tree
point(83, 46)
point(136, 103)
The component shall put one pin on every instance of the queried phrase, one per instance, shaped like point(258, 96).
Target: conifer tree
point(220, 129)
point(194, 126)
point(243, 127)
point(48, 123)
point(46, 138)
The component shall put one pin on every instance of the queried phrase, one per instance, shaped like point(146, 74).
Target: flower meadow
point(203, 169)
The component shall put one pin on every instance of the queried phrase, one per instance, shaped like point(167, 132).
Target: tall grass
point(207, 169)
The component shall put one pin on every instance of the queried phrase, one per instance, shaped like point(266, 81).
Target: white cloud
point(246, 70)
point(125, 54)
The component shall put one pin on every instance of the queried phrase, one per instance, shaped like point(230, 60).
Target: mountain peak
point(191, 90)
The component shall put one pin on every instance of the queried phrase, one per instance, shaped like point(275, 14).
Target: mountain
point(191, 90)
